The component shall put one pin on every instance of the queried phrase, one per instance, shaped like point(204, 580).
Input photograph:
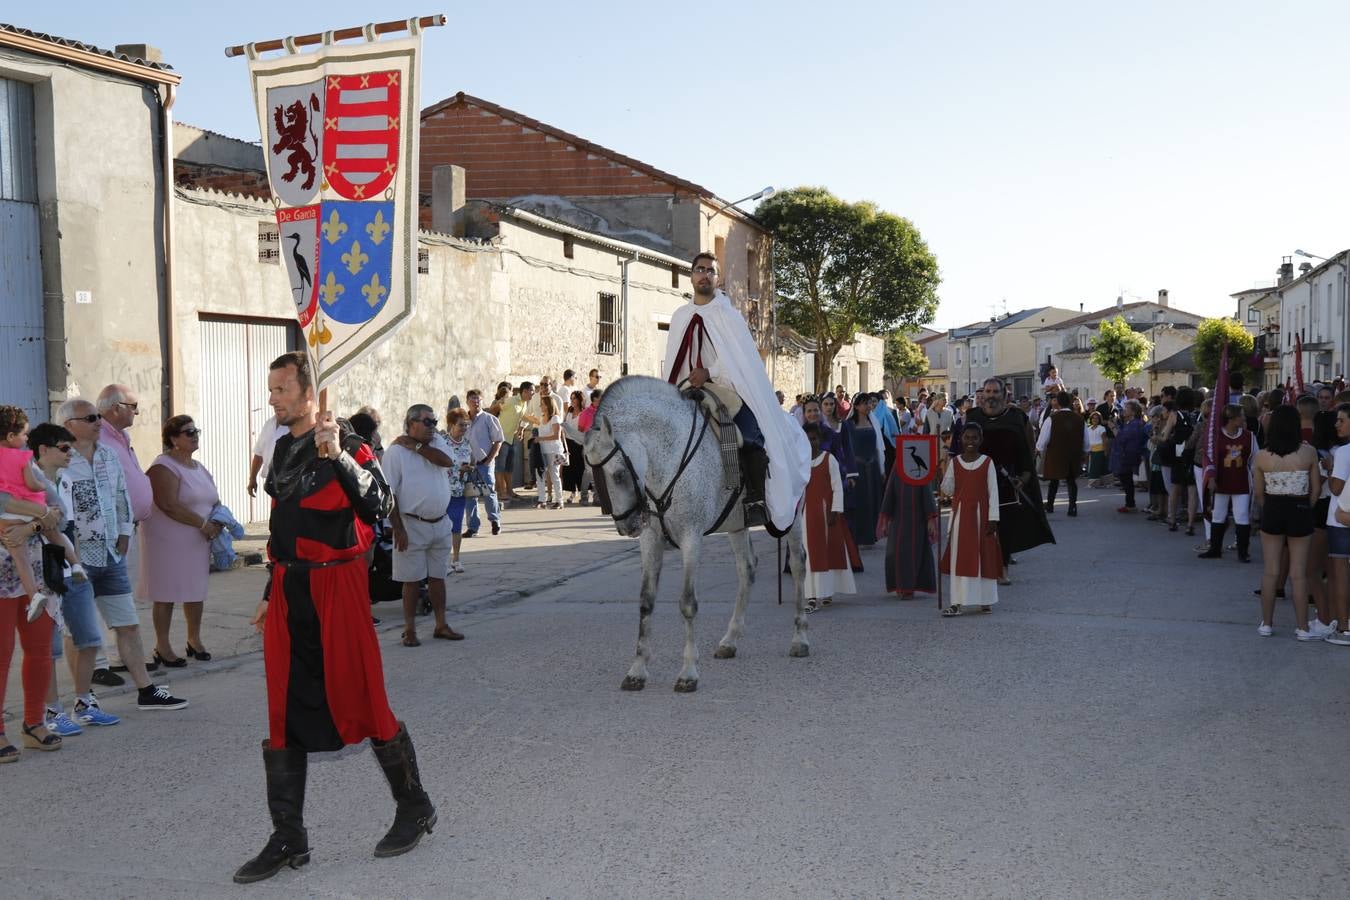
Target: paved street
point(1115, 729)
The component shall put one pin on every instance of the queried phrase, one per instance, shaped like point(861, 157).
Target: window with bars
point(607, 325)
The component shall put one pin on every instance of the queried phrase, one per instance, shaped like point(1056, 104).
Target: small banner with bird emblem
point(340, 130)
point(916, 458)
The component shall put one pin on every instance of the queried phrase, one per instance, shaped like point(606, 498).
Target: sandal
point(410, 639)
point(951, 612)
point(447, 634)
point(826, 602)
point(986, 609)
point(50, 742)
point(9, 753)
point(811, 606)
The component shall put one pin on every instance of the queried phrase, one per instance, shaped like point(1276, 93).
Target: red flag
point(1298, 363)
point(1216, 417)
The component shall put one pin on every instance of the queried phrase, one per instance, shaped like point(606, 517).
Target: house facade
point(1068, 344)
point(513, 159)
point(1004, 347)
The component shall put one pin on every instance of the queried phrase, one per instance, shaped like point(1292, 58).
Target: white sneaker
point(1319, 630)
point(1264, 630)
point(37, 605)
point(1305, 634)
point(1339, 638)
point(456, 568)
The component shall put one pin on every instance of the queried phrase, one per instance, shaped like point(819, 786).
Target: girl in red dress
point(827, 568)
point(972, 558)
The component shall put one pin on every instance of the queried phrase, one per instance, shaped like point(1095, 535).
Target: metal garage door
point(235, 356)
point(23, 377)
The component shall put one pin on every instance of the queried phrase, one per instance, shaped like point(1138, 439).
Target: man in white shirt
point(485, 437)
point(262, 453)
point(416, 467)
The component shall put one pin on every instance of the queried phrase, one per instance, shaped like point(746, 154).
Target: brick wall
point(504, 158)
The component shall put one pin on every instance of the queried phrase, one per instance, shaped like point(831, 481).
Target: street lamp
point(762, 194)
point(1309, 255)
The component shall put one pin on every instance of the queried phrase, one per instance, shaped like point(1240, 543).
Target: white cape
point(738, 363)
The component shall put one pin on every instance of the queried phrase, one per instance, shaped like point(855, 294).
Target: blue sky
point(1050, 153)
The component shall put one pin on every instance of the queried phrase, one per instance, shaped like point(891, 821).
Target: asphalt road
point(1115, 729)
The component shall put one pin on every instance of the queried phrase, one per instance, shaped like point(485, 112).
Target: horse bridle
point(647, 501)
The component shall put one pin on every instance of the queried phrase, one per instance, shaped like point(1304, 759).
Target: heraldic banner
point(339, 131)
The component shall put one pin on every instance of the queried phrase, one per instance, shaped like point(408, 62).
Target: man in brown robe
point(1063, 445)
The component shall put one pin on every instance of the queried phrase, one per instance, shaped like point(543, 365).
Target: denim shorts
point(505, 457)
point(1338, 542)
point(112, 594)
point(77, 606)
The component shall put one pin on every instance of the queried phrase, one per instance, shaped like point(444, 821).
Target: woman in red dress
point(973, 558)
point(827, 568)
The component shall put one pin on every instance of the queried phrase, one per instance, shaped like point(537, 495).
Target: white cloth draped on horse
point(724, 347)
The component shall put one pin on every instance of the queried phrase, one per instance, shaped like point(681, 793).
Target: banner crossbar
point(341, 34)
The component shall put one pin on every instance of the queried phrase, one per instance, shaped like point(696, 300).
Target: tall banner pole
point(339, 128)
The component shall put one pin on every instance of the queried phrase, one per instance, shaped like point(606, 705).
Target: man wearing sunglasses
point(709, 346)
point(95, 488)
point(119, 407)
point(416, 468)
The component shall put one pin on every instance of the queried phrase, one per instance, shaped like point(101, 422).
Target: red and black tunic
point(325, 679)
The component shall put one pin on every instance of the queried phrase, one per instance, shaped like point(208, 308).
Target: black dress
point(862, 518)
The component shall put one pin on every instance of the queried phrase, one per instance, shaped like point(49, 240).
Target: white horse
point(662, 468)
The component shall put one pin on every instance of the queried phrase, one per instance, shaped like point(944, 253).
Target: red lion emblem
point(295, 135)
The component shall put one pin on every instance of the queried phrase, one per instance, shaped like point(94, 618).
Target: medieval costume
point(827, 569)
point(714, 336)
point(907, 511)
point(972, 557)
point(839, 444)
point(1232, 489)
point(869, 454)
point(325, 681)
point(1062, 443)
point(1007, 443)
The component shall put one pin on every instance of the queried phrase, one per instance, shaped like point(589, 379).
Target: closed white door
point(23, 377)
point(235, 357)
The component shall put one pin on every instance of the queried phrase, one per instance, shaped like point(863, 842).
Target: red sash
point(694, 330)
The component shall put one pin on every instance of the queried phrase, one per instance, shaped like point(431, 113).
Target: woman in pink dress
point(176, 539)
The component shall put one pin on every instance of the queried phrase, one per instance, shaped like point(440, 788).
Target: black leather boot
point(289, 843)
point(754, 472)
point(415, 814)
point(1216, 533)
point(1244, 542)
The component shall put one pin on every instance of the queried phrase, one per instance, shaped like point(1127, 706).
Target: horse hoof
point(725, 651)
point(686, 685)
point(633, 684)
point(799, 650)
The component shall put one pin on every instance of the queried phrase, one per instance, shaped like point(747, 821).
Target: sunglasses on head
point(91, 418)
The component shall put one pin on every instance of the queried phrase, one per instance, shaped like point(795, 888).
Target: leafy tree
point(902, 358)
point(1208, 349)
point(1118, 351)
point(841, 268)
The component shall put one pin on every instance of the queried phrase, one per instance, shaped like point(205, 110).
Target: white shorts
point(428, 553)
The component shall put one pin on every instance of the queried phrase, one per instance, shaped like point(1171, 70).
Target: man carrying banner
point(325, 682)
point(710, 347)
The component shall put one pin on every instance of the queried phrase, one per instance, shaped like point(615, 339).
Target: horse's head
point(617, 478)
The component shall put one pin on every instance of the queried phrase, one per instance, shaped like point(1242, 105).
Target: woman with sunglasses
point(176, 539)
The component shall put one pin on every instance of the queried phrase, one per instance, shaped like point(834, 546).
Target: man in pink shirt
point(119, 407)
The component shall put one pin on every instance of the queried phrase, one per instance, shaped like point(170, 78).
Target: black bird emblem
point(301, 265)
point(920, 465)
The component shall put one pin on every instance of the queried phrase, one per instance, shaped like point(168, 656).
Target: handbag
point(475, 485)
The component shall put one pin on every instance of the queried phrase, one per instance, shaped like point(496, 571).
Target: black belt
point(304, 565)
point(420, 519)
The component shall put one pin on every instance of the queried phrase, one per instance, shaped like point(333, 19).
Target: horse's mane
point(637, 388)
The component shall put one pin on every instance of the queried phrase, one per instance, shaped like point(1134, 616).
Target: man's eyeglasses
point(704, 270)
point(64, 448)
point(91, 418)
point(428, 421)
point(191, 432)
point(131, 406)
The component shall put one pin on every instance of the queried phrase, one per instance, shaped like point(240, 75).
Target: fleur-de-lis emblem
point(334, 228)
point(331, 290)
point(379, 228)
point(354, 258)
point(374, 291)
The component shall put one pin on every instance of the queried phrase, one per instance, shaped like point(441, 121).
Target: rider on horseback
point(710, 348)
